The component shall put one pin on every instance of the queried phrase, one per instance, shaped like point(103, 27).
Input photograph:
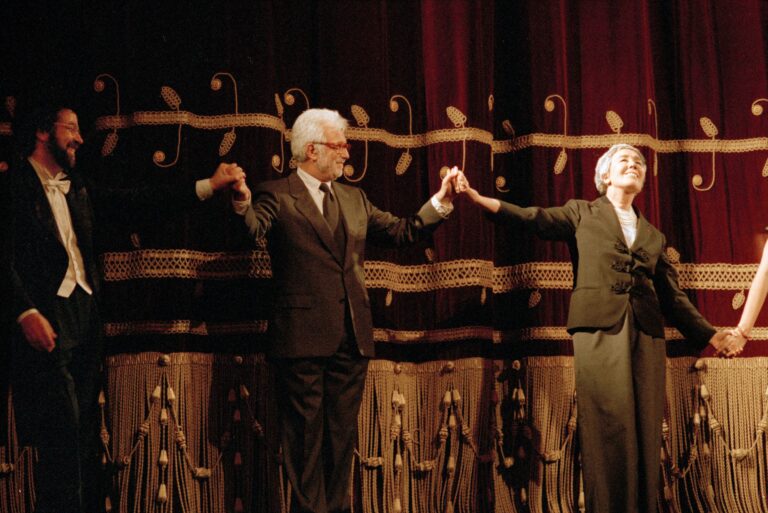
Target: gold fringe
point(218, 432)
point(197, 432)
point(17, 484)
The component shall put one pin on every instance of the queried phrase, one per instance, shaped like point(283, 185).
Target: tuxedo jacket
point(36, 260)
point(313, 281)
point(608, 275)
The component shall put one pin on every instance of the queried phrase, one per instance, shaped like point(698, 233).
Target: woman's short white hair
point(310, 127)
point(603, 166)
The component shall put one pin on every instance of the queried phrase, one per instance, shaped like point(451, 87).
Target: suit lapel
point(79, 213)
point(608, 214)
point(307, 207)
point(42, 207)
point(645, 230)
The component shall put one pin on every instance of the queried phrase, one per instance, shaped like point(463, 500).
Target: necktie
point(330, 208)
point(53, 185)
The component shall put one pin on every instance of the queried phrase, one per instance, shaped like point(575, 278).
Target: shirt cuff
point(26, 313)
point(442, 210)
point(203, 189)
point(241, 206)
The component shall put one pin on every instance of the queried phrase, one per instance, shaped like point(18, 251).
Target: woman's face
point(627, 171)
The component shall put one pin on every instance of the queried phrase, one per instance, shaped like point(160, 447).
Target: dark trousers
point(620, 376)
point(319, 401)
point(55, 400)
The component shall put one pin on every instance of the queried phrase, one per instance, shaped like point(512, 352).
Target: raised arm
point(490, 204)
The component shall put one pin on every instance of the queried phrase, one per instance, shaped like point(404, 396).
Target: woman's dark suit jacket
point(608, 275)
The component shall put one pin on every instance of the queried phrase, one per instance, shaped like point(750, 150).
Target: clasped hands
point(728, 343)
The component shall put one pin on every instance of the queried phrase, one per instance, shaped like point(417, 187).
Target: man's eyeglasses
point(73, 128)
point(335, 146)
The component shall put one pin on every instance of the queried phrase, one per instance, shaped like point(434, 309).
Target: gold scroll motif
point(460, 133)
point(110, 141)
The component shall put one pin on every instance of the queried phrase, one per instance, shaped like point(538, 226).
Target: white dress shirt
point(628, 222)
point(55, 192)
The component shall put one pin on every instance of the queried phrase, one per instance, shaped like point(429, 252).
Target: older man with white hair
point(321, 331)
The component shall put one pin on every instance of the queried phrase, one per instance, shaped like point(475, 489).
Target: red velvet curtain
point(523, 95)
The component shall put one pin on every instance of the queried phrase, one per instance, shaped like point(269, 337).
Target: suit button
point(642, 255)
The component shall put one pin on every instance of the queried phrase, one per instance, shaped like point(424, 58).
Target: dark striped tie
point(330, 208)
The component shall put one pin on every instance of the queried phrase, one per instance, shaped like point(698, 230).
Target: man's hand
point(226, 175)
point(38, 332)
point(448, 191)
point(240, 191)
point(719, 340)
point(734, 344)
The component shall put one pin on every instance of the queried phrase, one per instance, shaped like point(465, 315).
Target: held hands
point(227, 175)
point(728, 343)
point(734, 344)
point(38, 332)
point(461, 185)
point(454, 183)
point(448, 190)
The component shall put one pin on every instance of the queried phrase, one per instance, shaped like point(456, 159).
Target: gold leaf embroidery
point(171, 97)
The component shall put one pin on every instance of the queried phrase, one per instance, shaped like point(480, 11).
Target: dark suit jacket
point(313, 282)
point(608, 275)
point(37, 260)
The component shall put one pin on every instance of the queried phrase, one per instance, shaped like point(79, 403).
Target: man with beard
point(56, 350)
point(321, 330)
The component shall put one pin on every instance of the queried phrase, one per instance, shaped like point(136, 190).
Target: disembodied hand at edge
point(38, 332)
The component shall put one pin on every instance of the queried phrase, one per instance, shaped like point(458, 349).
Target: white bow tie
point(53, 185)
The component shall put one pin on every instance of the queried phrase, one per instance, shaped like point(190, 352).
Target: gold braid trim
point(582, 142)
point(439, 136)
point(437, 336)
point(202, 328)
point(183, 263)
point(716, 276)
point(183, 117)
point(427, 277)
point(183, 327)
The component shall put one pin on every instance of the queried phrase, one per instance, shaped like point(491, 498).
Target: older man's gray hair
point(310, 127)
point(603, 166)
